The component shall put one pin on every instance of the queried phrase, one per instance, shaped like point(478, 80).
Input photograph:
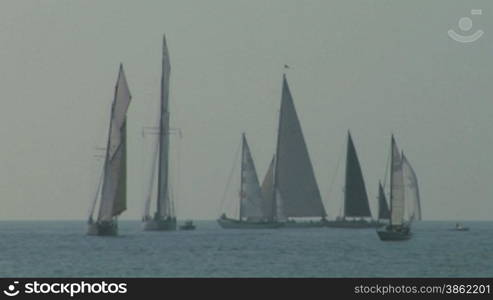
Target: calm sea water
point(62, 249)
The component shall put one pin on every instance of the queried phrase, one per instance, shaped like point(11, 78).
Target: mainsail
point(113, 195)
point(413, 205)
point(397, 200)
point(383, 209)
point(250, 195)
point(295, 187)
point(268, 192)
point(355, 196)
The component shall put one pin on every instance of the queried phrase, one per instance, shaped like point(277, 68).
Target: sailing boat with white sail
point(404, 196)
point(253, 212)
point(294, 190)
point(356, 212)
point(164, 217)
point(113, 185)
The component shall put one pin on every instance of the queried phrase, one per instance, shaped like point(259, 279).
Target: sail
point(413, 205)
point(355, 196)
point(268, 192)
point(113, 195)
point(294, 176)
point(250, 195)
point(397, 204)
point(383, 209)
point(164, 207)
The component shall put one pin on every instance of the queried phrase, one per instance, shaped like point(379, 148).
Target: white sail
point(164, 207)
point(113, 195)
point(397, 200)
point(250, 195)
point(413, 206)
point(294, 176)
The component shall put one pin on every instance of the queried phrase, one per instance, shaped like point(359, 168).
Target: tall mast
point(276, 158)
point(163, 132)
point(392, 145)
point(241, 172)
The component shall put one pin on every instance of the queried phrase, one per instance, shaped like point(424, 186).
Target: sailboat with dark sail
point(293, 189)
point(254, 213)
point(404, 198)
point(164, 218)
point(356, 211)
point(112, 188)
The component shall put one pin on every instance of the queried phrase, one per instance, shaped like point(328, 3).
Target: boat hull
point(392, 235)
point(103, 228)
point(353, 224)
point(237, 224)
point(306, 224)
point(187, 227)
point(168, 224)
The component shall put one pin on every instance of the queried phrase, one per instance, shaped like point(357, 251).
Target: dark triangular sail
point(294, 178)
point(355, 196)
point(383, 208)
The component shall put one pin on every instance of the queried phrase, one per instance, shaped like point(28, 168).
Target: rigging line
point(152, 179)
point(98, 189)
point(334, 176)
point(230, 177)
point(386, 170)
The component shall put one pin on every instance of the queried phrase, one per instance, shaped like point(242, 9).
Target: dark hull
point(312, 224)
point(459, 229)
point(160, 225)
point(391, 235)
point(354, 224)
point(103, 229)
point(237, 224)
point(187, 227)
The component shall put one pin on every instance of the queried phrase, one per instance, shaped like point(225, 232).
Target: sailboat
point(112, 187)
point(356, 205)
point(164, 217)
point(294, 192)
point(403, 193)
point(253, 213)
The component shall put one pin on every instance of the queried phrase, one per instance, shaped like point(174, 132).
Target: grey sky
point(375, 67)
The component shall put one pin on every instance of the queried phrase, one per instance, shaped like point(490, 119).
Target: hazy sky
point(372, 66)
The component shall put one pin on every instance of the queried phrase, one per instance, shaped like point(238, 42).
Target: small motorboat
point(188, 225)
point(459, 227)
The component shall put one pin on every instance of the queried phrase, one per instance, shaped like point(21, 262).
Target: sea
point(62, 249)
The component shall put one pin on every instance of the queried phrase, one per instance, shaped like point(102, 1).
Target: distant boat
point(460, 227)
point(113, 184)
point(164, 218)
point(356, 213)
point(188, 225)
point(403, 193)
point(291, 186)
point(253, 213)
